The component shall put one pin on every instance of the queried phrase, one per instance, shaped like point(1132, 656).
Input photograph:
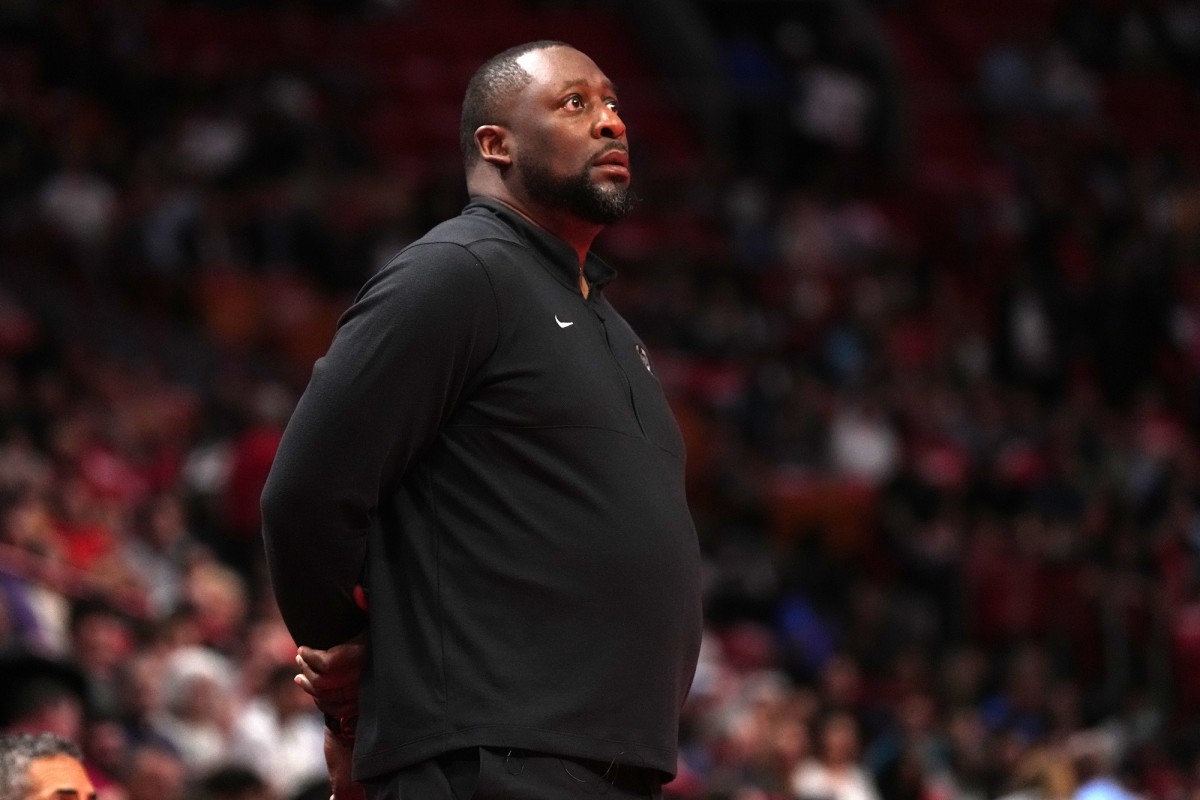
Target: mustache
point(620, 148)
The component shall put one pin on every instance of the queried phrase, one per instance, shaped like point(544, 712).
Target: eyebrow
point(612, 87)
point(71, 794)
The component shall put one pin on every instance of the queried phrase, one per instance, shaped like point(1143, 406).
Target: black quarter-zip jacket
point(492, 455)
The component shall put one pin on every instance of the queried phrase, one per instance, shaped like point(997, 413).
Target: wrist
point(344, 728)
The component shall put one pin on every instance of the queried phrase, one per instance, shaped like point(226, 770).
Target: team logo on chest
point(644, 356)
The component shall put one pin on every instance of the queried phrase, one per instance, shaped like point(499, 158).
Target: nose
point(609, 124)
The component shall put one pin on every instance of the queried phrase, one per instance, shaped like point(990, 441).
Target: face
point(59, 778)
point(840, 739)
point(567, 140)
point(155, 775)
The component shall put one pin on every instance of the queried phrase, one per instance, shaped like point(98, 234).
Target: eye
point(573, 102)
point(612, 104)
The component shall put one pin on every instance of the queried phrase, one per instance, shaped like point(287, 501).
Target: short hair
point(37, 695)
point(19, 751)
point(229, 782)
point(495, 81)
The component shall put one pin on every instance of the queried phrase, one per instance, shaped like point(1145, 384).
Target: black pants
point(487, 773)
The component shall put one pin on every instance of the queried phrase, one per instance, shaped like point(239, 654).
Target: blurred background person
point(834, 770)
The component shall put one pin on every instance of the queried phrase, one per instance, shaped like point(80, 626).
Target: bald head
point(489, 90)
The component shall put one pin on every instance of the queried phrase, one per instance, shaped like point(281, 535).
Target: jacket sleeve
point(393, 374)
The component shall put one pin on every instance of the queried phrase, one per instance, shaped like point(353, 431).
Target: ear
point(493, 143)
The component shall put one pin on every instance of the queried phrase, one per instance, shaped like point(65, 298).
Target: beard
point(580, 195)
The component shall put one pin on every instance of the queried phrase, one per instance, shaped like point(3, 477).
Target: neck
point(577, 233)
point(484, 181)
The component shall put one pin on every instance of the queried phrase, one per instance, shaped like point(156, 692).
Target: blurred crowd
point(941, 410)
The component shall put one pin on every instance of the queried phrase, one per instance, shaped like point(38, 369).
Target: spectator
point(41, 767)
point(160, 551)
point(42, 695)
point(835, 772)
point(198, 707)
point(233, 783)
point(101, 641)
point(154, 774)
point(279, 736)
point(1096, 753)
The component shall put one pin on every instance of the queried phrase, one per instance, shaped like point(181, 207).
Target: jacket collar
point(557, 255)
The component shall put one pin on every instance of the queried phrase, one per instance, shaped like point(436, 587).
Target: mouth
point(614, 161)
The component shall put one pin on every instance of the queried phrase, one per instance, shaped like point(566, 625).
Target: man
point(277, 734)
point(42, 766)
point(155, 772)
point(41, 694)
point(486, 448)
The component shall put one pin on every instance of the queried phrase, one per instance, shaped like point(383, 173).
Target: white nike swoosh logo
point(562, 324)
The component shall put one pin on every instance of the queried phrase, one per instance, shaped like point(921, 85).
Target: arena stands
point(927, 310)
